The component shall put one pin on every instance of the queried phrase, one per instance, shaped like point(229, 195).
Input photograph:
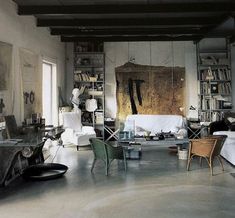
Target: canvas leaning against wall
point(5, 82)
point(5, 64)
point(31, 83)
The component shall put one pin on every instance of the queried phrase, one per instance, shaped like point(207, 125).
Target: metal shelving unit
point(89, 71)
point(214, 82)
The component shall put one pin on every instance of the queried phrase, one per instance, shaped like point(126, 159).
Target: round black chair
point(44, 171)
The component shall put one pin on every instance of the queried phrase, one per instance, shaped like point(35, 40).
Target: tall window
point(49, 93)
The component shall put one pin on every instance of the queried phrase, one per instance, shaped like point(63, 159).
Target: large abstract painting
point(148, 89)
point(5, 64)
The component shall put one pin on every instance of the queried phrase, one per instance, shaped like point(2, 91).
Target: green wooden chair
point(106, 153)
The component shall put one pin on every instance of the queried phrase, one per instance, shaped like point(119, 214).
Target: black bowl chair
point(217, 126)
point(106, 153)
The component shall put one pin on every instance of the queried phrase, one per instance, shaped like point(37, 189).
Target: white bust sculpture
point(75, 98)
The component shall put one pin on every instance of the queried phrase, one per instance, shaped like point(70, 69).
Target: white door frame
point(55, 112)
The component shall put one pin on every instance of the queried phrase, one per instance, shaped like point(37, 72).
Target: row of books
point(82, 77)
point(208, 103)
point(210, 116)
point(215, 88)
point(225, 88)
point(87, 77)
point(216, 74)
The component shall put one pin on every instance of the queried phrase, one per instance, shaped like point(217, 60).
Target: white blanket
point(153, 123)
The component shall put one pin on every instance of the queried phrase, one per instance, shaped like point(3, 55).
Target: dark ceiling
point(135, 20)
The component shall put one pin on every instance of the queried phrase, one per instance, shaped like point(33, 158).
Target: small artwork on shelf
point(214, 88)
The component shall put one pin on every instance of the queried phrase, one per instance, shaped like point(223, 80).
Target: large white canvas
point(30, 82)
point(5, 65)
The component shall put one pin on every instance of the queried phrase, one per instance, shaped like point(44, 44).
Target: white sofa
point(75, 133)
point(228, 150)
point(154, 124)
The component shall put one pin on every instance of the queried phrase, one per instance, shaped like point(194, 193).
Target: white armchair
point(75, 133)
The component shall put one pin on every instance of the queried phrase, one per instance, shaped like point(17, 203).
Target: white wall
point(21, 32)
point(182, 54)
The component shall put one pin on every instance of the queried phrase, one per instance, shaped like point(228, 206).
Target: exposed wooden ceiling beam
point(127, 8)
point(196, 21)
point(209, 29)
point(129, 38)
point(126, 31)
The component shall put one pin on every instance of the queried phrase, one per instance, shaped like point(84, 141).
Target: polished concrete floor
point(158, 185)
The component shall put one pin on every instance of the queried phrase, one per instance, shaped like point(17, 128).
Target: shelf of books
point(215, 82)
point(89, 74)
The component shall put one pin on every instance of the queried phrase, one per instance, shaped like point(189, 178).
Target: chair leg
point(211, 166)
point(106, 168)
point(93, 164)
point(124, 160)
point(189, 161)
point(221, 163)
point(125, 164)
point(200, 161)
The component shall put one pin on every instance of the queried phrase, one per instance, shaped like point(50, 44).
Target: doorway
point(49, 93)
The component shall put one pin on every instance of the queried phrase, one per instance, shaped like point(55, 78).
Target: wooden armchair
point(106, 153)
point(207, 148)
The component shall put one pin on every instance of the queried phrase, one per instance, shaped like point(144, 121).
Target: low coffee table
point(134, 152)
point(165, 143)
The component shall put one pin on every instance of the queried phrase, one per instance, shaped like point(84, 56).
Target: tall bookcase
point(214, 80)
point(89, 75)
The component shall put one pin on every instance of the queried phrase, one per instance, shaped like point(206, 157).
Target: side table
point(110, 133)
point(196, 130)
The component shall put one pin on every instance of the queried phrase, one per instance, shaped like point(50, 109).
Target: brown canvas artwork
point(161, 90)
